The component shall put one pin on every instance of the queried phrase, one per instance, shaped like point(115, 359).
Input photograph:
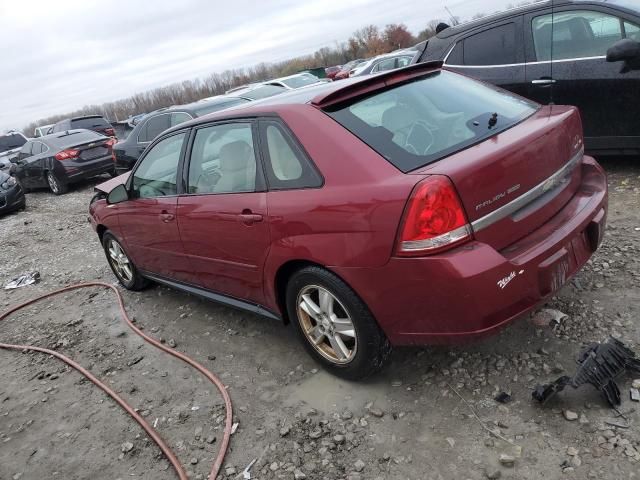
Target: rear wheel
point(335, 325)
point(122, 267)
point(57, 186)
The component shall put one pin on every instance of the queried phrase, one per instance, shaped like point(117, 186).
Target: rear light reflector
point(67, 154)
point(109, 131)
point(433, 220)
point(111, 142)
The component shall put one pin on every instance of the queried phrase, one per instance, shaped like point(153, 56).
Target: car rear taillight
point(109, 131)
point(110, 143)
point(433, 220)
point(67, 154)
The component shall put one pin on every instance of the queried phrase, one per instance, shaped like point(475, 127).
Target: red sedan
point(412, 207)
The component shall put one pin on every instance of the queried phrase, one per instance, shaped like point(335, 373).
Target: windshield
point(216, 106)
point(89, 123)
point(300, 81)
point(11, 141)
point(419, 122)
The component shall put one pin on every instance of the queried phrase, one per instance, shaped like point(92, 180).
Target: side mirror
point(118, 195)
point(627, 51)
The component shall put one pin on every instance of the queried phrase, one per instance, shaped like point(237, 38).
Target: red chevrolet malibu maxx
point(413, 207)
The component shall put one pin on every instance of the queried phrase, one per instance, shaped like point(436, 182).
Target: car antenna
point(454, 20)
point(553, 20)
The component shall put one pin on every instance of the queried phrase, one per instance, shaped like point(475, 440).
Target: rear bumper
point(73, 171)
point(474, 289)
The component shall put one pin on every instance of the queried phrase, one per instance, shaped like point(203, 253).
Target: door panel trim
point(543, 62)
point(213, 296)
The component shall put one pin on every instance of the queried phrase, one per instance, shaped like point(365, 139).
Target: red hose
point(155, 436)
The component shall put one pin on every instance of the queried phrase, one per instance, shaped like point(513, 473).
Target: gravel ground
point(416, 420)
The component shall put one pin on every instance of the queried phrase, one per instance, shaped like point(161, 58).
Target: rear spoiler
point(375, 82)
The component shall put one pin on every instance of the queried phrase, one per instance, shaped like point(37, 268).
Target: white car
point(293, 82)
point(42, 131)
point(10, 145)
point(382, 63)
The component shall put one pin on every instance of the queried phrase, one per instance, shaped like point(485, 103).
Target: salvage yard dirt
point(298, 421)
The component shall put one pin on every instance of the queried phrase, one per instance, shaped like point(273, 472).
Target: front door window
point(157, 174)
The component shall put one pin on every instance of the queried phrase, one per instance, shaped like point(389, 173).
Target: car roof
point(463, 27)
point(320, 95)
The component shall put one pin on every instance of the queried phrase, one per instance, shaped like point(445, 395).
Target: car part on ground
point(128, 150)
point(11, 194)
point(151, 431)
point(55, 161)
point(598, 365)
point(423, 206)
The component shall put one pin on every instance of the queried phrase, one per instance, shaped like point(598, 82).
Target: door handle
point(543, 81)
point(166, 217)
point(249, 218)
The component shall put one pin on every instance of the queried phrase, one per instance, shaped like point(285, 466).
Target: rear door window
point(496, 46)
point(223, 159)
point(574, 34)
point(154, 127)
point(418, 122)
point(36, 149)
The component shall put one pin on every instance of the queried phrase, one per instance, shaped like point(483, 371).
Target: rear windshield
point(419, 122)
point(216, 106)
point(73, 138)
point(11, 141)
point(89, 123)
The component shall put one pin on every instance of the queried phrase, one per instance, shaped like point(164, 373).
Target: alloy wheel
point(119, 261)
point(53, 182)
point(326, 324)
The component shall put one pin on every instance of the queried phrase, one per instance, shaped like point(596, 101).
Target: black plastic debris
point(598, 365)
point(502, 397)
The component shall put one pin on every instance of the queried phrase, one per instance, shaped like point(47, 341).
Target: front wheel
point(335, 325)
point(57, 186)
point(122, 267)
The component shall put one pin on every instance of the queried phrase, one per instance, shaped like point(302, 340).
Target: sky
point(59, 56)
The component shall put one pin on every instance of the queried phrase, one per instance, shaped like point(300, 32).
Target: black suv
point(555, 52)
point(91, 122)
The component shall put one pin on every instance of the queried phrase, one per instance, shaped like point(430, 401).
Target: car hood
point(8, 153)
point(109, 185)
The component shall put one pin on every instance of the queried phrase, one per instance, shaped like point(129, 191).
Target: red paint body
point(350, 226)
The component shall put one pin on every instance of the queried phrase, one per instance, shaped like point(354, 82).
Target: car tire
point(57, 186)
point(123, 268)
point(342, 334)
